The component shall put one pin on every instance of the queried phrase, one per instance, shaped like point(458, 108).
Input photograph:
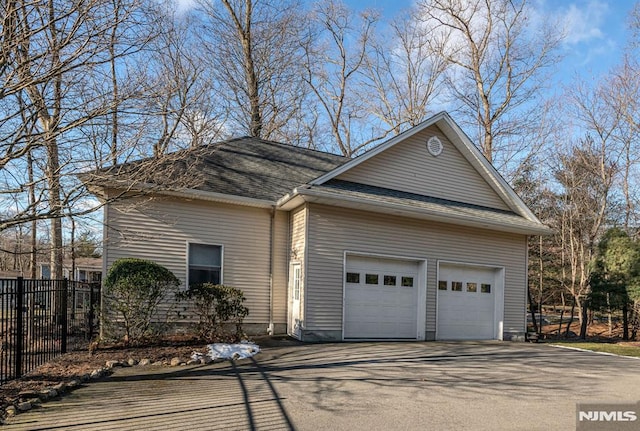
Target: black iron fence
point(41, 319)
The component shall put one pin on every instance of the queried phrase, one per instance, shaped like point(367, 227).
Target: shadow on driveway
point(279, 388)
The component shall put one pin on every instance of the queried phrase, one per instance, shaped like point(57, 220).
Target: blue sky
point(596, 35)
point(596, 31)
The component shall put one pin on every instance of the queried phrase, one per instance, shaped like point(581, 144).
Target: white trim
point(219, 197)
point(305, 271)
point(186, 275)
point(462, 142)
point(194, 194)
point(344, 292)
point(384, 256)
point(498, 183)
point(423, 267)
point(405, 209)
point(526, 284)
point(105, 259)
point(421, 285)
point(379, 149)
point(290, 294)
point(499, 287)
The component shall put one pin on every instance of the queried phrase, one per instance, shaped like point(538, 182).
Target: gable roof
point(256, 172)
point(250, 168)
point(462, 142)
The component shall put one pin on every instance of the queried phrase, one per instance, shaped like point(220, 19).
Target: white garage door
point(381, 298)
point(466, 303)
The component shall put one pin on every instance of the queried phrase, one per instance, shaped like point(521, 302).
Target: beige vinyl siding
point(159, 229)
point(332, 231)
point(298, 235)
point(280, 266)
point(409, 167)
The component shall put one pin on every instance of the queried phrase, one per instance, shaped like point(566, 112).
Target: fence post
point(18, 326)
point(64, 316)
point(90, 313)
point(73, 300)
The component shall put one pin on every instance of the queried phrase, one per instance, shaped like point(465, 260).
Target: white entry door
point(295, 293)
point(381, 298)
point(466, 303)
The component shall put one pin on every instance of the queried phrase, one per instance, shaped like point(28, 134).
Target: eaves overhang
point(482, 219)
point(144, 189)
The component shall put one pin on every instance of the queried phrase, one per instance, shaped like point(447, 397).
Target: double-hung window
point(205, 263)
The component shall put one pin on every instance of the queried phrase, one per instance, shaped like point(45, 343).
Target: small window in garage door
point(371, 279)
point(407, 281)
point(353, 277)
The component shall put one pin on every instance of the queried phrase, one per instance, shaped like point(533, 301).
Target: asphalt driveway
point(355, 386)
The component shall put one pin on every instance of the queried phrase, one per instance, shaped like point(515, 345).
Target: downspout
point(105, 259)
point(272, 231)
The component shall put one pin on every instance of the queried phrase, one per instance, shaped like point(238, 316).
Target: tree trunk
point(253, 92)
point(33, 252)
point(72, 275)
point(533, 314)
point(609, 320)
point(561, 313)
point(585, 319)
point(573, 308)
point(634, 320)
point(625, 321)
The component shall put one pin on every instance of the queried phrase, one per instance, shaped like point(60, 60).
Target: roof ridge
point(285, 144)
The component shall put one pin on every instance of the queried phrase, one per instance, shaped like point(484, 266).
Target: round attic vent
point(434, 146)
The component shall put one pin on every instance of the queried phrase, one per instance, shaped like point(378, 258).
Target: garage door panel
point(378, 310)
point(469, 312)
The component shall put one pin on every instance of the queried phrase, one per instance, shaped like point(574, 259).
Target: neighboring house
point(419, 238)
point(87, 269)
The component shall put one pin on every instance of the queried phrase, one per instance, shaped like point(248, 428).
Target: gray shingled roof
point(247, 167)
point(346, 189)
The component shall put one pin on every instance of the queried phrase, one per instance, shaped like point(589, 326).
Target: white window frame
point(208, 244)
point(297, 281)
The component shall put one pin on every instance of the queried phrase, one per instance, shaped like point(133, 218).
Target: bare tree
point(180, 97)
point(335, 58)
point(404, 76)
point(585, 174)
point(497, 64)
point(634, 24)
point(52, 60)
point(254, 54)
point(621, 94)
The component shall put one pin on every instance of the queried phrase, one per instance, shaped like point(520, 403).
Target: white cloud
point(583, 21)
point(185, 5)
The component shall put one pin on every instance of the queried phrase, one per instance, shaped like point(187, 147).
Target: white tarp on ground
point(241, 350)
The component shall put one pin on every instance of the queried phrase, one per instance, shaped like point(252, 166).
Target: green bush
point(134, 288)
point(217, 305)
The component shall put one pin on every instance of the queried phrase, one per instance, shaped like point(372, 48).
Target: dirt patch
point(596, 331)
